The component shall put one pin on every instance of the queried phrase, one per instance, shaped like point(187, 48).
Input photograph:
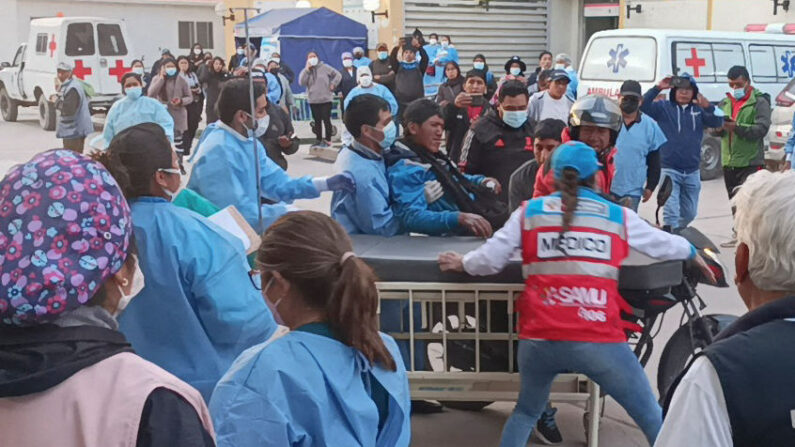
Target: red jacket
point(545, 178)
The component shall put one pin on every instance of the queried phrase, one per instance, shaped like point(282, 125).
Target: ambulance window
point(785, 62)
point(763, 63)
point(111, 40)
point(620, 58)
point(696, 59)
point(41, 43)
point(726, 56)
point(79, 39)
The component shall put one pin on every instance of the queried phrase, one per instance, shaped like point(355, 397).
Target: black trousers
point(194, 117)
point(321, 114)
point(735, 177)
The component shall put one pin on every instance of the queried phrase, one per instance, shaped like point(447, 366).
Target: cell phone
point(478, 100)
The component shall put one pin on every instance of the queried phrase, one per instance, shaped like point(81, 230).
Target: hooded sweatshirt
point(683, 126)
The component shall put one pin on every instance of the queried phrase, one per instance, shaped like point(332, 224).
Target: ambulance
point(97, 49)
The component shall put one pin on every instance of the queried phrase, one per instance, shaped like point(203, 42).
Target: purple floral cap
point(64, 229)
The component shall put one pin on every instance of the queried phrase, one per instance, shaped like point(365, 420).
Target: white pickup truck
point(95, 47)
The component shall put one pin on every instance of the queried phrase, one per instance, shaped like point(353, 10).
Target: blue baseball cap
point(575, 155)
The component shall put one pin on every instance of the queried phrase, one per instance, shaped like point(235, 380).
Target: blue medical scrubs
point(199, 309)
point(308, 389)
point(634, 144)
point(368, 210)
point(128, 112)
point(225, 174)
point(432, 83)
point(377, 90)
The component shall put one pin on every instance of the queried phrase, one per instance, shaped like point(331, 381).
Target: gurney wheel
point(465, 405)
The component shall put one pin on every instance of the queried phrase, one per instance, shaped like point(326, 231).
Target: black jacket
point(287, 72)
point(522, 184)
point(38, 358)
point(496, 150)
point(347, 84)
point(457, 124)
point(408, 83)
point(280, 125)
point(386, 73)
point(212, 83)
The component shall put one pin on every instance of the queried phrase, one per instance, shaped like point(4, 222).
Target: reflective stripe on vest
point(570, 268)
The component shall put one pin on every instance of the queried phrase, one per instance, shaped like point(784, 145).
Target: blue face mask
point(133, 92)
point(382, 55)
point(514, 119)
point(516, 71)
point(390, 135)
point(739, 93)
point(479, 65)
point(171, 71)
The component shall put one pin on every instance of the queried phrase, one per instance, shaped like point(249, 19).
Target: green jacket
point(745, 147)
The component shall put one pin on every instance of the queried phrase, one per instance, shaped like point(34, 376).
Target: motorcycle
point(649, 306)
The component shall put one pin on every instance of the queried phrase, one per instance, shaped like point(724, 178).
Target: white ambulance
point(95, 47)
point(649, 55)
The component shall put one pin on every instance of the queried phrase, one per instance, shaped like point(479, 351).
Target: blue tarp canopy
point(301, 30)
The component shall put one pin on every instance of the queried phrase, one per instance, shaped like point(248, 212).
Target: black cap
point(631, 88)
point(517, 60)
point(476, 74)
point(681, 82)
point(558, 75)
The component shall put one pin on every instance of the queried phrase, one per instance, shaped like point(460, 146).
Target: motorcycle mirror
point(665, 191)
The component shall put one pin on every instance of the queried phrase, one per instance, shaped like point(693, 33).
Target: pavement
point(21, 140)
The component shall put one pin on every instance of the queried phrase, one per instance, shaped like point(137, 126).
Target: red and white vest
point(571, 284)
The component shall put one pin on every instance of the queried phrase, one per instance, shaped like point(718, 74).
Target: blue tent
point(300, 30)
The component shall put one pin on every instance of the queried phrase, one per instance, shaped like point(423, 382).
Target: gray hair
point(563, 57)
point(765, 214)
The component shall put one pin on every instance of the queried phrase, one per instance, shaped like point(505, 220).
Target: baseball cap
point(631, 88)
point(165, 51)
point(558, 75)
point(63, 66)
point(575, 155)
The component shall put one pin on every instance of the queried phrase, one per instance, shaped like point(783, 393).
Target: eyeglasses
point(170, 171)
point(255, 276)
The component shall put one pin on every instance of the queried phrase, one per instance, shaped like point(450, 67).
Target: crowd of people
point(124, 303)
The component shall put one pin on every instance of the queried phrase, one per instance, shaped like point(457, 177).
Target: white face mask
point(138, 284)
point(560, 66)
point(166, 191)
point(138, 70)
point(262, 125)
point(197, 51)
point(365, 81)
point(276, 59)
point(313, 61)
point(445, 44)
point(433, 41)
point(347, 63)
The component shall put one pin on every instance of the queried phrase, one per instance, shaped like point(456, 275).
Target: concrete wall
point(565, 24)
point(150, 27)
point(726, 15)
point(9, 36)
point(733, 15)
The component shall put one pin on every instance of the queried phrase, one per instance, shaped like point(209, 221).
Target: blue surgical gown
point(364, 61)
point(225, 174)
point(309, 390)
point(377, 90)
point(432, 83)
point(199, 309)
point(366, 211)
point(128, 112)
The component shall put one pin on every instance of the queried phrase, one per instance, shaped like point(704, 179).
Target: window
point(195, 32)
point(79, 39)
point(726, 56)
point(696, 59)
point(620, 58)
point(111, 40)
point(763, 63)
point(41, 43)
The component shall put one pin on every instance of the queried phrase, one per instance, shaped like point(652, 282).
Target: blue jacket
point(310, 390)
point(128, 112)
point(225, 174)
point(367, 211)
point(377, 90)
point(199, 309)
point(682, 126)
point(407, 177)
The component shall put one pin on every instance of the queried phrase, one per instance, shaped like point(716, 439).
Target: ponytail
point(568, 186)
point(310, 250)
point(112, 162)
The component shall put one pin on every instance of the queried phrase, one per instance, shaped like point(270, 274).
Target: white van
point(649, 55)
point(95, 47)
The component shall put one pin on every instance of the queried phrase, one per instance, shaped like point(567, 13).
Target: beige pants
point(74, 144)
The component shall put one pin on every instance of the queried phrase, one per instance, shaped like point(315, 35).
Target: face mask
point(313, 61)
point(560, 67)
point(629, 105)
point(433, 41)
point(365, 81)
point(516, 71)
point(390, 135)
point(197, 51)
point(382, 55)
point(276, 59)
point(514, 119)
point(171, 71)
point(265, 294)
point(479, 65)
point(262, 126)
point(133, 92)
point(138, 70)
point(347, 63)
point(739, 93)
point(240, 51)
point(166, 191)
point(445, 44)
point(137, 285)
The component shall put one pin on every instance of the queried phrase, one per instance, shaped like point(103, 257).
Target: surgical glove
point(342, 182)
point(433, 191)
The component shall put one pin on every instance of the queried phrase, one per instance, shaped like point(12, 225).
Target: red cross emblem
point(119, 70)
point(80, 71)
point(52, 46)
point(695, 62)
